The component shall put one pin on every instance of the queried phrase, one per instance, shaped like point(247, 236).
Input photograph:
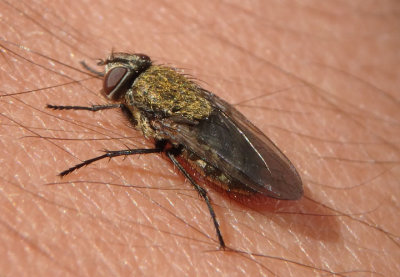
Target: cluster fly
point(197, 131)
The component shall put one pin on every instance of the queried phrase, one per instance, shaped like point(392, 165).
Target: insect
point(197, 131)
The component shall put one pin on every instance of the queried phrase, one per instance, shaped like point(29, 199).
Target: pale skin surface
point(331, 71)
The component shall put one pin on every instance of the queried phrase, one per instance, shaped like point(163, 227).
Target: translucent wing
point(229, 142)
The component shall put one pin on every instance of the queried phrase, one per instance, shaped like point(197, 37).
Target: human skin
point(319, 78)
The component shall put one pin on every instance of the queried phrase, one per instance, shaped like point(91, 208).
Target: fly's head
point(121, 70)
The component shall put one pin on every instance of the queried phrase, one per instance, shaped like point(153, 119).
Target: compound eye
point(114, 81)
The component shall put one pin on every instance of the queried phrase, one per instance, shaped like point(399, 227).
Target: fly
point(196, 130)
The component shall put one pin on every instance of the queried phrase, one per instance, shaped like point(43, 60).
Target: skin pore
point(320, 78)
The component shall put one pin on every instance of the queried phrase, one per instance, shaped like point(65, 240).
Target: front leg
point(93, 108)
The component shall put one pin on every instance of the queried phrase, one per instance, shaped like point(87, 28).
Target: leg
point(202, 193)
point(93, 108)
point(112, 154)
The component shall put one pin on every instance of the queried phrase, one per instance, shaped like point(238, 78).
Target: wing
point(229, 142)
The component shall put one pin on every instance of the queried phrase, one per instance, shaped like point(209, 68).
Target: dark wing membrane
point(229, 142)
